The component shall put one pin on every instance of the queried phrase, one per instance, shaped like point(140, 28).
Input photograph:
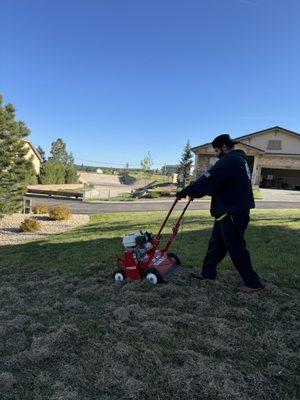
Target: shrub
point(30, 225)
point(57, 173)
point(59, 213)
point(52, 173)
point(71, 175)
point(40, 209)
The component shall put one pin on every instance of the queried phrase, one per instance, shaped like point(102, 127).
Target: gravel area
point(10, 227)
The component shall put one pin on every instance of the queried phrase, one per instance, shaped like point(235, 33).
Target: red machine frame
point(158, 262)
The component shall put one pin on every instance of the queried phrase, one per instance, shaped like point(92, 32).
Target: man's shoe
point(247, 289)
point(197, 275)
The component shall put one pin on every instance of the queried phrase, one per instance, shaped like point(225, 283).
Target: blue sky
point(118, 78)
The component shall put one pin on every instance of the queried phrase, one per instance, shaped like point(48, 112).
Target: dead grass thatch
point(77, 337)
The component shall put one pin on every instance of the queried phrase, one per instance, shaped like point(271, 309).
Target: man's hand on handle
point(182, 194)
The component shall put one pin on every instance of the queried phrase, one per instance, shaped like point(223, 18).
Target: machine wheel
point(119, 276)
point(174, 258)
point(152, 278)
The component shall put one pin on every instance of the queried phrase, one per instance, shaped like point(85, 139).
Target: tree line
point(59, 167)
point(17, 171)
point(16, 168)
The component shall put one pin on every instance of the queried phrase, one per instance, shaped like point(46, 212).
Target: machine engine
point(139, 243)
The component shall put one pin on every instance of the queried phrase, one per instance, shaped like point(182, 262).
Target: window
point(274, 145)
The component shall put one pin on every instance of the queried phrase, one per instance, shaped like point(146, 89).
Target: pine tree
point(42, 167)
point(41, 153)
point(70, 159)
point(4, 156)
point(186, 162)
point(15, 170)
point(59, 153)
point(60, 166)
point(71, 175)
point(52, 173)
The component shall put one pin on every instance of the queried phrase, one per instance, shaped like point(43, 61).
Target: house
point(36, 157)
point(273, 156)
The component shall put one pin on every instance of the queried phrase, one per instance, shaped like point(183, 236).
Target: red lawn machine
point(143, 259)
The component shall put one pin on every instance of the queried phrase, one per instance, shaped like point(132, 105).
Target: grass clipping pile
point(86, 337)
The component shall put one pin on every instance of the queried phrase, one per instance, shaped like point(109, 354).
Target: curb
point(140, 202)
point(171, 201)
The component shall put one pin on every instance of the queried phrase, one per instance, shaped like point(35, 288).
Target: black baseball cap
point(223, 139)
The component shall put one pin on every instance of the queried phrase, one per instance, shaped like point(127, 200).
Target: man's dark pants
point(228, 236)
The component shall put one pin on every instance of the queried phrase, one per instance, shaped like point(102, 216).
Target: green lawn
point(163, 194)
point(257, 194)
point(272, 238)
point(120, 197)
point(69, 332)
point(152, 177)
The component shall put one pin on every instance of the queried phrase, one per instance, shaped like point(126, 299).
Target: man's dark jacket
point(229, 184)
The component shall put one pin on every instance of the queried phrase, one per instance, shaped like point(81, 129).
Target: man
point(229, 184)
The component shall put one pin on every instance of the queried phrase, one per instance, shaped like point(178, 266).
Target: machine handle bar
point(158, 236)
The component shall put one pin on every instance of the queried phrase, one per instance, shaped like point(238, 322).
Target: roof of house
point(241, 143)
point(253, 134)
point(252, 147)
point(269, 129)
point(34, 150)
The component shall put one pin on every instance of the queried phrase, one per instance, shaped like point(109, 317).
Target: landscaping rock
point(10, 232)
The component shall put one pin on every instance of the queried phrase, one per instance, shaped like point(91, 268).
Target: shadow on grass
point(128, 228)
point(272, 248)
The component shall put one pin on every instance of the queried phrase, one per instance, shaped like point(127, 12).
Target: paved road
point(78, 207)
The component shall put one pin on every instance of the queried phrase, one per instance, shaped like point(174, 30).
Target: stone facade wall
point(202, 164)
point(278, 162)
point(203, 156)
point(262, 161)
point(290, 144)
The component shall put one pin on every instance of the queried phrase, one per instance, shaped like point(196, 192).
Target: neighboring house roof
point(283, 154)
point(241, 143)
point(254, 134)
point(252, 147)
point(269, 129)
point(34, 150)
point(201, 145)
